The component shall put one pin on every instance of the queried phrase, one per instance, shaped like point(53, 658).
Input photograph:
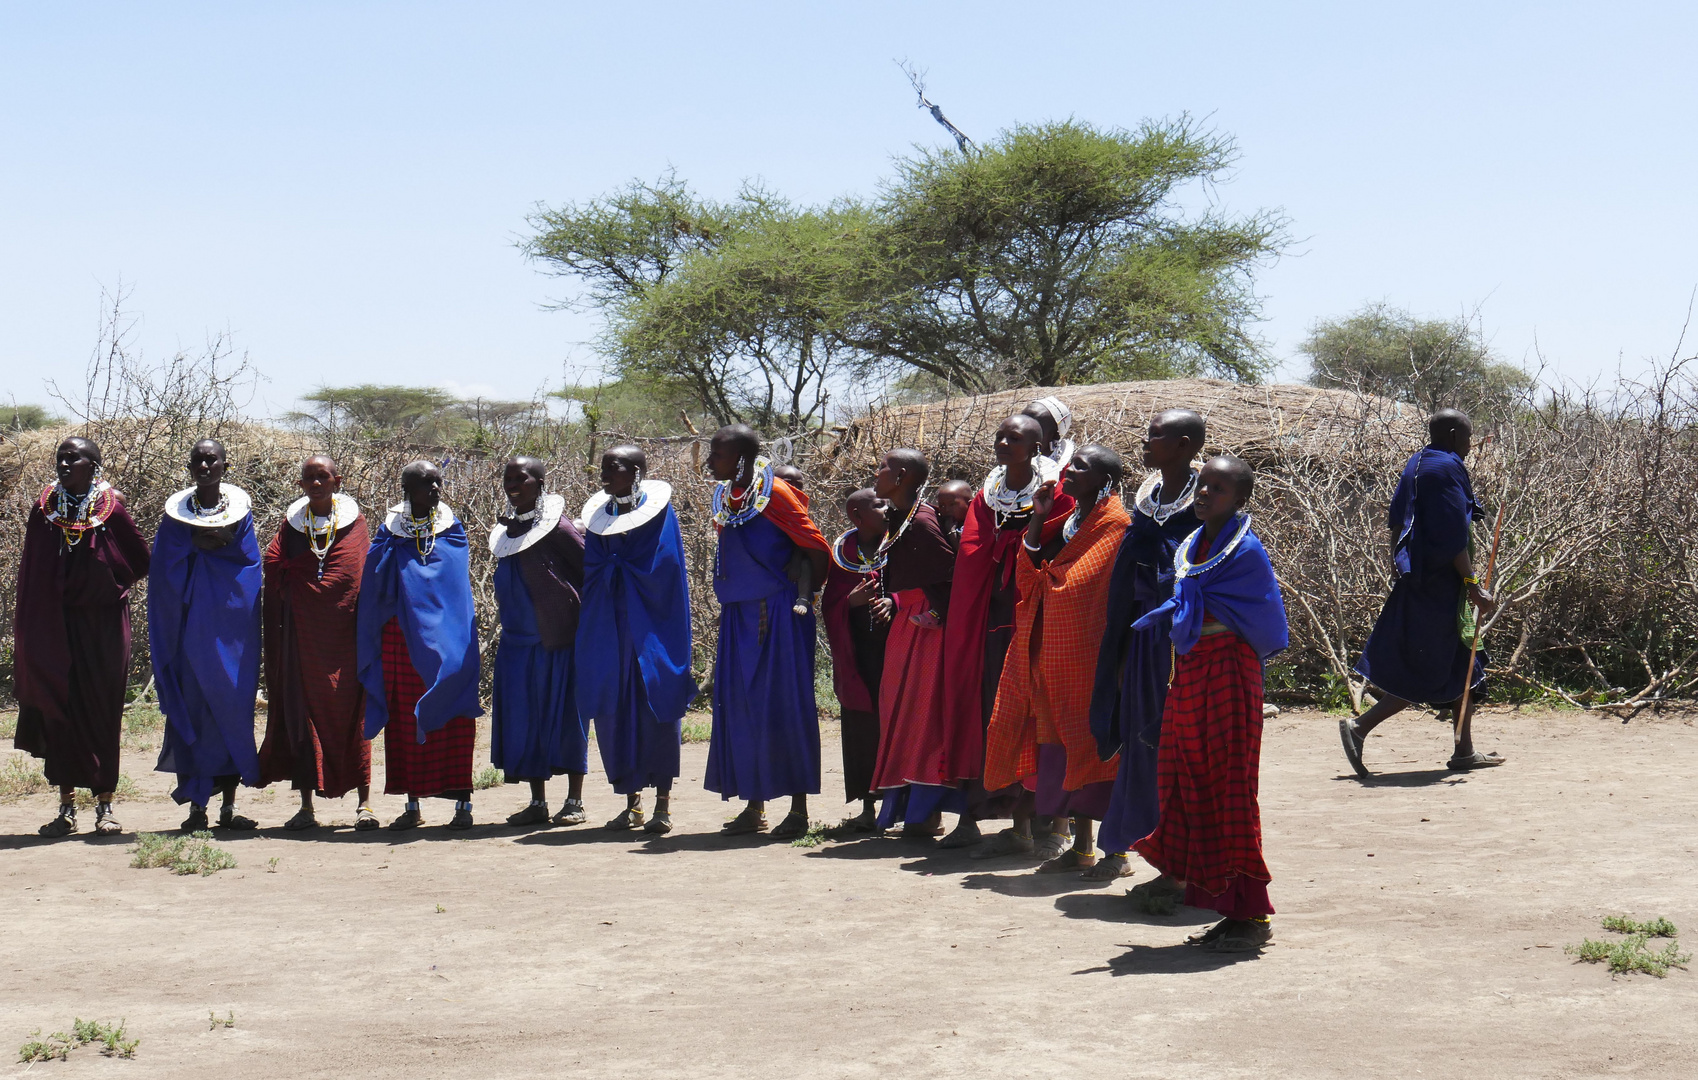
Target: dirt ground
point(1421, 925)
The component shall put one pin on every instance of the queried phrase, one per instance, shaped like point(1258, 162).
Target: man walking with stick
point(1424, 647)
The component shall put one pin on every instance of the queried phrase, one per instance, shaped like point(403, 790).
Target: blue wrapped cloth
point(1235, 585)
point(203, 623)
point(1132, 674)
point(1416, 651)
point(535, 730)
point(431, 597)
point(633, 664)
point(766, 733)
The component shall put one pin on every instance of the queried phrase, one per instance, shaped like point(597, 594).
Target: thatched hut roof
point(1253, 420)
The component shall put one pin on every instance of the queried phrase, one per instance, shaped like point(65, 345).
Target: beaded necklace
point(731, 510)
point(1150, 504)
point(423, 532)
point(862, 564)
point(198, 510)
point(1007, 504)
point(316, 533)
point(1183, 567)
point(74, 515)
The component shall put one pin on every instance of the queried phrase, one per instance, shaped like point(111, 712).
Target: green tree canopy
point(1059, 254)
point(425, 415)
point(1056, 254)
point(1433, 363)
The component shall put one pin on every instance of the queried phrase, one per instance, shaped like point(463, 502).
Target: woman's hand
point(1043, 501)
point(863, 594)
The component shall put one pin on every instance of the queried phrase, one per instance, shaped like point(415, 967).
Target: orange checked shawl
point(1045, 691)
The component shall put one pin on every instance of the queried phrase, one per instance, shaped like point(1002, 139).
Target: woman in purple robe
point(82, 553)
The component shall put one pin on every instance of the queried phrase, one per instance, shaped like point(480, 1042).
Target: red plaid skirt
point(443, 762)
point(1207, 769)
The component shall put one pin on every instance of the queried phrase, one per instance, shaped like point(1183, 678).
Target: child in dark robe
point(203, 624)
point(856, 625)
point(71, 633)
point(952, 500)
point(536, 732)
point(418, 650)
point(1133, 666)
point(913, 771)
point(1226, 618)
point(315, 712)
point(1416, 652)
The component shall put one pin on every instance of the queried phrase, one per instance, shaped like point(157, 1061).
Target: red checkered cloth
point(1207, 768)
point(1045, 692)
point(443, 762)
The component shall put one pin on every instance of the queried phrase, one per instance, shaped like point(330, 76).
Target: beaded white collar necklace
point(1149, 501)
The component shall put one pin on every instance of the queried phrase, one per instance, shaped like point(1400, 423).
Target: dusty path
point(1421, 928)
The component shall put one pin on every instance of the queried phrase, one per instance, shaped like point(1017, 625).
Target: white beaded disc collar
point(549, 510)
point(343, 511)
point(598, 516)
point(396, 522)
point(236, 505)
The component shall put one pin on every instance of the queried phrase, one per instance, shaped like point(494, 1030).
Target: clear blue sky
point(341, 185)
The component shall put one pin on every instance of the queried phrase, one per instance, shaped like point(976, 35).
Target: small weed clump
point(816, 835)
point(143, 723)
point(489, 776)
point(229, 1020)
point(21, 776)
point(113, 1040)
point(194, 854)
point(1633, 952)
point(697, 732)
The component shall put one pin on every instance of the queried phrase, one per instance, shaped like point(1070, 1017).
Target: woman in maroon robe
point(71, 634)
point(315, 705)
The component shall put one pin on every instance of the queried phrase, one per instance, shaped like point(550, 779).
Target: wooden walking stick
point(1485, 583)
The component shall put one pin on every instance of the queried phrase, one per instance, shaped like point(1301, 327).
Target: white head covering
point(1061, 414)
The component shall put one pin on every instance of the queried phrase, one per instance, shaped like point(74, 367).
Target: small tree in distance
point(1433, 363)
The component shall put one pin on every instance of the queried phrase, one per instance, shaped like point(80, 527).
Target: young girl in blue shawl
point(634, 635)
point(203, 622)
point(1226, 618)
point(418, 650)
point(1416, 652)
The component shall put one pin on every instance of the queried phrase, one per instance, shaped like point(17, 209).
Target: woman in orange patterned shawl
point(1041, 730)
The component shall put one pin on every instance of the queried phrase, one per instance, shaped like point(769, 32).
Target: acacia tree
point(1433, 363)
point(1056, 254)
point(1059, 254)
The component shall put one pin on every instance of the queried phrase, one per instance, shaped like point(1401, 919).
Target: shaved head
point(1243, 477)
point(630, 454)
point(1104, 460)
point(913, 464)
point(1446, 423)
point(1184, 423)
point(323, 459)
point(85, 447)
point(532, 466)
point(861, 498)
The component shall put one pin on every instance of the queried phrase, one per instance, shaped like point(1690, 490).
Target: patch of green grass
point(112, 1038)
point(143, 722)
point(698, 730)
point(193, 854)
point(1633, 952)
point(229, 1020)
point(8, 724)
point(814, 837)
point(21, 775)
point(1658, 927)
point(489, 776)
